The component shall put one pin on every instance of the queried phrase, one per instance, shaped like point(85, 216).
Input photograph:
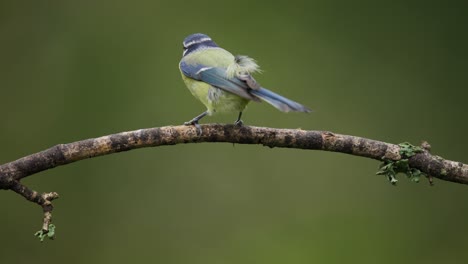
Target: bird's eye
point(184, 48)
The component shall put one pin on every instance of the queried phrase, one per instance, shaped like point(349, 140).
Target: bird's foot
point(195, 124)
point(239, 123)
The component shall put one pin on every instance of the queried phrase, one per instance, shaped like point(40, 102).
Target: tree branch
point(44, 200)
point(11, 173)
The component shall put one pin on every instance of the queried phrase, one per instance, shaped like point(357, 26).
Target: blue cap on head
point(197, 41)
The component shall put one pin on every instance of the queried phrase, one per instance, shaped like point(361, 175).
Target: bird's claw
point(196, 125)
point(239, 123)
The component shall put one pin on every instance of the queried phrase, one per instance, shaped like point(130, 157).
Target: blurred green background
point(392, 70)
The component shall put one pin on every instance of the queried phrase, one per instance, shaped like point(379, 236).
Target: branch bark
point(11, 173)
point(272, 137)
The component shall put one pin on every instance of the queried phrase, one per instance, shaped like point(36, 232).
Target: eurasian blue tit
point(223, 82)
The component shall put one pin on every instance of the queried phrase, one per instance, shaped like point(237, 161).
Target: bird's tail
point(281, 103)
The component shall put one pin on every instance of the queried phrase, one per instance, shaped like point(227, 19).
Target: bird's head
point(196, 42)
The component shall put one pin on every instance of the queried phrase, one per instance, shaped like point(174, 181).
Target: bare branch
point(44, 200)
point(413, 161)
point(62, 154)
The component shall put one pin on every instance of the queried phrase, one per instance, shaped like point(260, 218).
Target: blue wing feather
point(217, 77)
point(190, 70)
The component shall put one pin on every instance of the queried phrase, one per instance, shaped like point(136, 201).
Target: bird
point(224, 82)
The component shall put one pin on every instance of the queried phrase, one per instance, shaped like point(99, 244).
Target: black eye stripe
point(192, 46)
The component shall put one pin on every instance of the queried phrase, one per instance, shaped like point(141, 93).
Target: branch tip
point(45, 201)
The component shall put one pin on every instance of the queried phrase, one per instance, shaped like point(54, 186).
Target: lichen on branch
point(390, 168)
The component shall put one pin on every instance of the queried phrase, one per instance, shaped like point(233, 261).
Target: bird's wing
point(217, 77)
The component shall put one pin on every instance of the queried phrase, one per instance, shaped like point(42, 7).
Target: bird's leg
point(239, 121)
point(195, 120)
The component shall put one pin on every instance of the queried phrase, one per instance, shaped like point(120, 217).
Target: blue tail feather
point(281, 103)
